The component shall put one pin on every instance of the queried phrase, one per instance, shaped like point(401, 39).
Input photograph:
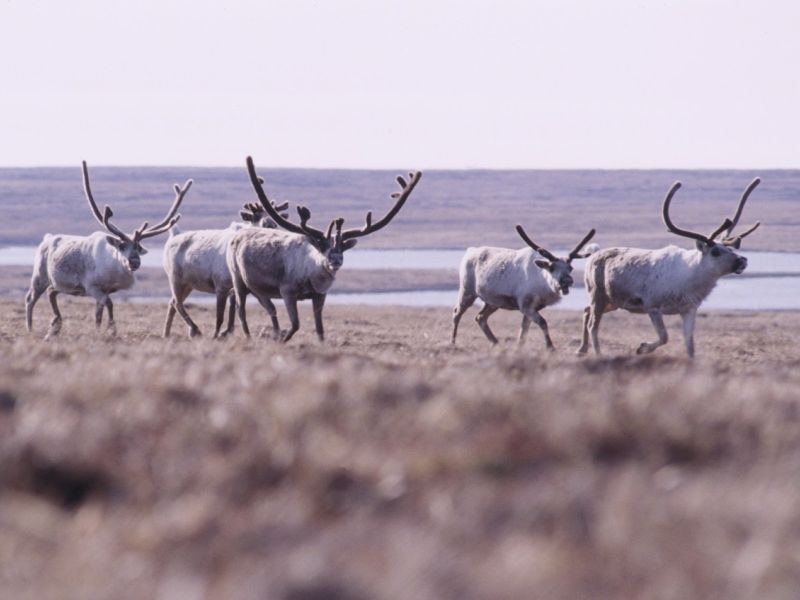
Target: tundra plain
point(387, 463)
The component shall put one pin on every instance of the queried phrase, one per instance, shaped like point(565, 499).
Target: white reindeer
point(661, 282)
point(96, 265)
point(299, 263)
point(514, 280)
point(195, 260)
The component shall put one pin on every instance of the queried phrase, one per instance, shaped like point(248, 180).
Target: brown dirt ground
point(387, 463)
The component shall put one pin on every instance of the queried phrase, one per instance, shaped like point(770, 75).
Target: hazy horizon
point(408, 84)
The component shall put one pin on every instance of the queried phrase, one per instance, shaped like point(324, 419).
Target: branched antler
point(283, 222)
point(736, 240)
point(142, 232)
point(684, 232)
point(103, 218)
point(405, 191)
point(168, 221)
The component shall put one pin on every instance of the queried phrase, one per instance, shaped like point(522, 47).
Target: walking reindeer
point(299, 263)
point(96, 265)
point(195, 260)
point(661, 282)
point(514, 280)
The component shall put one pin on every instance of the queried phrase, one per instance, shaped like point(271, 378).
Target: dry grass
point(388, 464)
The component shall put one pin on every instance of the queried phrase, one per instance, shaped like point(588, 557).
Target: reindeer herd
point(269, 256)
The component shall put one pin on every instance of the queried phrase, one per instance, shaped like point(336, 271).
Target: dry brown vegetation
point(388, 464)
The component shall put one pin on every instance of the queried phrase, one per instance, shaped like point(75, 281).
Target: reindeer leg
point(231, 314)
point(30, 301)
point(531, 313)
point(290, 301)
point(523, 330)
point(55, 324)
point(112, 326)
point(98, 313)
point(658, 323)
point(222, 300)
point(585, 333)
point(595, 314)
point(688, 330)
point(240, 291)
point(483, 321)
point(170, 316)
point(464, 302)
point(318, 302)
point(269, 306)
point(178, 299)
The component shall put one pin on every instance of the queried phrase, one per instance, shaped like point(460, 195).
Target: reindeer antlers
point(544, 252)
point(576, 251)
point(256, 181)
point(727, 225)
point(105, 218)
point(405, 191)
point(315, 234)
point(549, 255)
point(736, 241)
point(683, 232)
point(142, 232)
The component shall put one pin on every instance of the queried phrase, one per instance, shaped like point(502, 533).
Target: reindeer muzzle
point(134, 263)
point(741, 265)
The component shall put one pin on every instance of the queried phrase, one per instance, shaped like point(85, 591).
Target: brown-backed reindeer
point(514, 280)
point(96, 265)
point(299, 263)
point(195, 260)
point(661, 282)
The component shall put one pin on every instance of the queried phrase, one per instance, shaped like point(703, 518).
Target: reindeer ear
point(544, 264)
point(116, 242)
point(348, 244)
point(701, 246)
point(142, 250)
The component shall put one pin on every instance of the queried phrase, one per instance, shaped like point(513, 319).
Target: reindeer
point(661, 282)
point(298, 263)
point(96, 265)
point(514, 280)
point(195, 260)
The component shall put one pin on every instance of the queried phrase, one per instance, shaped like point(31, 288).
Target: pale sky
point(411, 84)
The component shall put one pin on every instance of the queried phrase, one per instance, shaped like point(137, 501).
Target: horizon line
point(444, 169)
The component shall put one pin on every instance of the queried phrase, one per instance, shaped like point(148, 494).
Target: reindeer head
point(129, 246)
point(559, 268)
point(335, 242)
point(717, 256)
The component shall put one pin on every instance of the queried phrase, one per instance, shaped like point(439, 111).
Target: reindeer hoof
point(644, 348)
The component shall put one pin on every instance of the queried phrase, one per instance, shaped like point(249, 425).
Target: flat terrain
point(449, 209)
point(387, 463)
point(152, 282)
